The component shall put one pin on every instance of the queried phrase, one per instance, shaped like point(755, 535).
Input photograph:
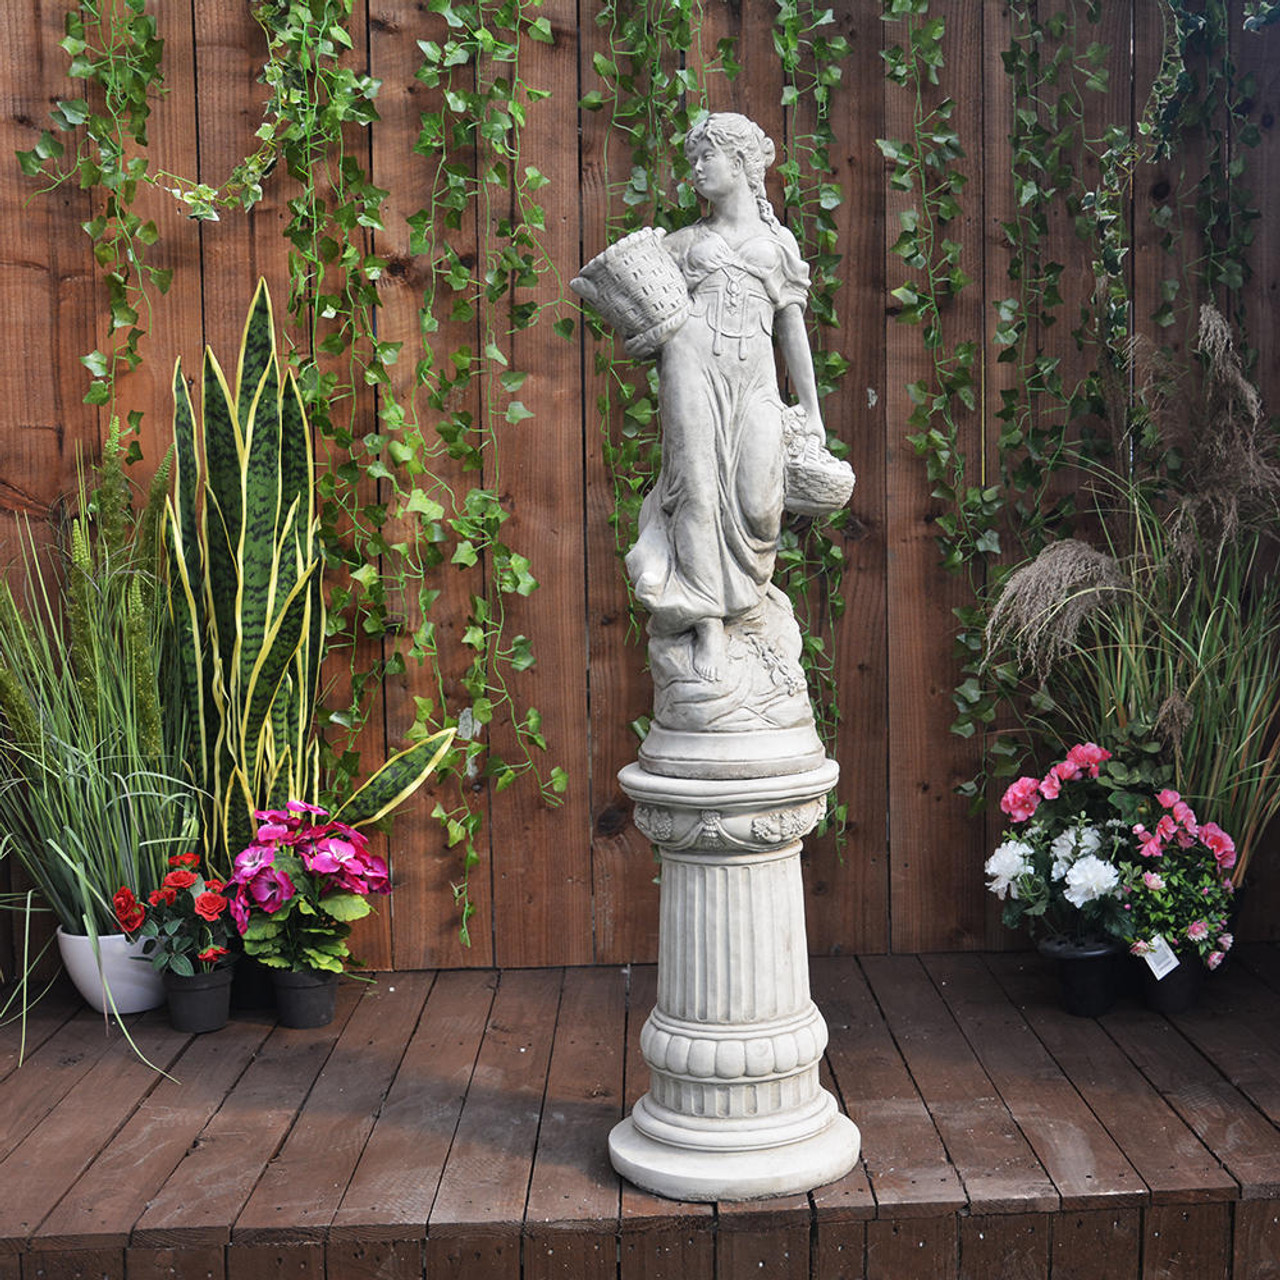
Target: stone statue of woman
point(711, 300)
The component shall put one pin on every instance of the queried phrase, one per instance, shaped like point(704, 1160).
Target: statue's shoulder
point(680, 242)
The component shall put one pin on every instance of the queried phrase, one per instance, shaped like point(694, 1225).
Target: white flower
point(1073, 843)
point(1006, 864)
point(1090, 879)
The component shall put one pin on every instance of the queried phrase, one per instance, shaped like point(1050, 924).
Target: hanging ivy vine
point(1049, 422)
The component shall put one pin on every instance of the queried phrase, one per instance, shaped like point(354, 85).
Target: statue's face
point(715, 172)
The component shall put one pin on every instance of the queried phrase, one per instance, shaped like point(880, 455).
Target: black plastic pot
point(1088, 973)
point(1178, 990)
point(305, 997)
point(200, 1001)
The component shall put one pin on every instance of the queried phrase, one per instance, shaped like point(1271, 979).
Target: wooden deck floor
point(454, 1125)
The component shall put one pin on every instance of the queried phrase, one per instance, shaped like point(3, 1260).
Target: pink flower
point(269, 831)
point(1021, 799)
point(1088, 756)
point(271, 888)
point(238, 906)
point(1141, 948)
point(1168, 797)
point(1067, 771)
point(1166, 827)
point(251, 860)
point(1050, 787)
point(1213, 959)
point(1220, 844)
point(1197, 931)
point(1151, 848)
point(1185, 817)
point(1226, 942)
point(301, 806)
point(1153, 880)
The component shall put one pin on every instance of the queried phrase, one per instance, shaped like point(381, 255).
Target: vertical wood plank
point(80, 1264)
point(301, 1190)
point(390, 1193)
point(1186, 1242)
point(478, 1214)
point(847, 889)
point(276, 1262)
point(373, 1260)
point(938, 900)
point(1004, 1247)
point(914, 1247)
point(623, 866)
point(1256, 1240)
point(425, 918)
point(207, 1263)
point(573, 1207)
point(541, 853)
point(1098, 1244)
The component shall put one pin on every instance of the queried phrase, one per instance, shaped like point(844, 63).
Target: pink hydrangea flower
point(1021, 799)
point(1197, 931)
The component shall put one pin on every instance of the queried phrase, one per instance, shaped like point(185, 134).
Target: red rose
point(185, 860)
point(129, 911)
point(211, 954)
point(209, 906)
point(180, 879)
point(165, 896)
point(214, 886)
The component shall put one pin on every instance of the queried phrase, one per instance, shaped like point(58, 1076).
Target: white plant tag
point(1160, 959)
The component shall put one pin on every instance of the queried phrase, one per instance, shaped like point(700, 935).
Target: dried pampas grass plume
point(1044, 604)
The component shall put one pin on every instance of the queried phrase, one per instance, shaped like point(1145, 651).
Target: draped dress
point(708, 529)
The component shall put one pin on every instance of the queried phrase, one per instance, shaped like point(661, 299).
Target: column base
point(690, 1173)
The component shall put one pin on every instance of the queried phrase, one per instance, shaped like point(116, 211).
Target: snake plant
point(247, 599)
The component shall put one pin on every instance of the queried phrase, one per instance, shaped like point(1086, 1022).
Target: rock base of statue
point(752, 720)
point(735, 1110)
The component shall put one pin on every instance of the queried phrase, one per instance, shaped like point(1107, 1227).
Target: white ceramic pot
point(133, 983)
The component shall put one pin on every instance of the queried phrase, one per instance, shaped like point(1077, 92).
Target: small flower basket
point(294, 895)
point(185, 932)
point(1081, 868)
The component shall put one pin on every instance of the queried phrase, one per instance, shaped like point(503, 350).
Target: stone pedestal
point(734, 1109)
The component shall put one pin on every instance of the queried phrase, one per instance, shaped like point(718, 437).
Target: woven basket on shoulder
point(637, 287)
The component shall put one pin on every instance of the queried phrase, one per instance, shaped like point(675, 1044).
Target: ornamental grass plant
point(93, 788)
point(1161, 638)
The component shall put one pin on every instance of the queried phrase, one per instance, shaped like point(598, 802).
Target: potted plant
point(186, 932)
point(1178, 896)
point(294, 894)
point(1057, 871)
point(248, 605)
point(1160, 637)
point(93, 787)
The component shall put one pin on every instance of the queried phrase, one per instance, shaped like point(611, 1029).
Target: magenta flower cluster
point(335, 857)
point(1178, 825)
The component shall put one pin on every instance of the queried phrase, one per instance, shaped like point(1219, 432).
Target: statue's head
point(735, 135)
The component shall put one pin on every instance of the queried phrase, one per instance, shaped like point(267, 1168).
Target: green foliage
point(248, 600)
point(246, 588)
point(1055, 429)
point(93, 792)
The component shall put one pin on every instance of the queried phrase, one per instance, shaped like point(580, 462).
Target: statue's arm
point(793, 342)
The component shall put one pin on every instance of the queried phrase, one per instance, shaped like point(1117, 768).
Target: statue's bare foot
point(708, 648)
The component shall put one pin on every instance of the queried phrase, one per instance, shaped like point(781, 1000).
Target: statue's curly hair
point(733, 133)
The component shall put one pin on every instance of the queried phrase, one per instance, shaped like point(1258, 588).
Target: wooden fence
point(575, 884)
